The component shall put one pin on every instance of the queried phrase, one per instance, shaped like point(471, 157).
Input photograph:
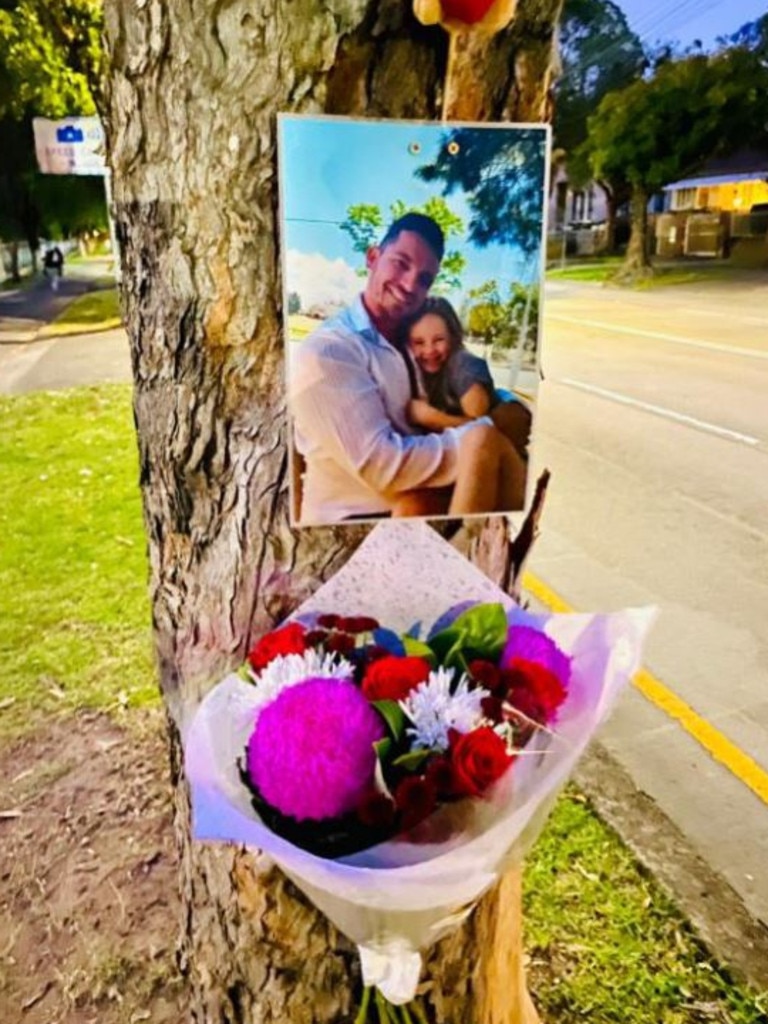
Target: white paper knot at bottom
point(394, 968)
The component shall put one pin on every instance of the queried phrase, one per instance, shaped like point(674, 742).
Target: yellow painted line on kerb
point(714, 742)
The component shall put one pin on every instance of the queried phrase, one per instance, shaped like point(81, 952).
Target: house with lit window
point(734, 185)
point(720, 210)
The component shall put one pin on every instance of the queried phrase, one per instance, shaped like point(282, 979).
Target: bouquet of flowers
point(361, 734)
point(395, 771)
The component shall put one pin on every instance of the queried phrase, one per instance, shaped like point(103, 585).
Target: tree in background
point(191, 107)
point(50, 55)
point(502, 323)
point(365, 224)
point(753, 35)
point(599, 54)
point(664, 127)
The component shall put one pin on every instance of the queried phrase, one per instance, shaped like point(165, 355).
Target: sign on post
point(72, 146)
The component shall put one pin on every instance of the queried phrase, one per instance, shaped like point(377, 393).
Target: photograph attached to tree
point(412, 271)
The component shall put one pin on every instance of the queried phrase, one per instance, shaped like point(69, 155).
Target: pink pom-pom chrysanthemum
point(311, 753)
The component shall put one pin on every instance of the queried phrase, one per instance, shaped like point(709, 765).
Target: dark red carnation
point(340, 643)
point(358, 624)
point(493, 708)
point(440, 774)
point(289, 639)
point(478, 759)
point(315, 637)
point(328, 621)
point(393, 678)
point(376, 810)
point(415, 798)
point(485, 673)
point(534, 690)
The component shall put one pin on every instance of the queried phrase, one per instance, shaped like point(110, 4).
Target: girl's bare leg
point(426, 501)
point(513, 474)
point(513, 419)
point(479, 468)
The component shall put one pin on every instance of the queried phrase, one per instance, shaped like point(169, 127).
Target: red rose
point(288, 640)
point(415, 798)
point(393, 678)
point(376, 810)
point(484, 673)
point(534, 690)
point(478, 759)
point(358, 624)
point(329, 621)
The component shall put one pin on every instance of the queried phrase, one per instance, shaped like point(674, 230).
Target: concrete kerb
point(713, 908)
point(54, 330)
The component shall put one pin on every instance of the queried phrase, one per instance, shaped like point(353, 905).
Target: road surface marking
point(658, 410)
point(733, 350)
point(743, 318)
point(711, 739)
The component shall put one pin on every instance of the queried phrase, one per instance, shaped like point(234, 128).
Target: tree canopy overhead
point(599, 53)
point(50, 55)
point(502, 176)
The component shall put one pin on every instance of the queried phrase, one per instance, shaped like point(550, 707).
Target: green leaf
point(445, 641)
point(393, 715)
point(413, 759)
point(484, 630)
point(418, 649)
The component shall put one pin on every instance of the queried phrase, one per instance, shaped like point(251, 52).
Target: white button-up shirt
point(348, 392)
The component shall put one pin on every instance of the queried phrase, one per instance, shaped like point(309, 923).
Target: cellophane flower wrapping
point(396, 899)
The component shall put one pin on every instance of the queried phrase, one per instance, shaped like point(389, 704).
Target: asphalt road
point(653, 419)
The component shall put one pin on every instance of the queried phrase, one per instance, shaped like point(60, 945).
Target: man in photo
point(349, 393)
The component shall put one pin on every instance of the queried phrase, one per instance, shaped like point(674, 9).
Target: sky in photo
point(328, 165)
point(687, 20)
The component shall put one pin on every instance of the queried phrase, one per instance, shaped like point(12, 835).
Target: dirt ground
point(88, 900)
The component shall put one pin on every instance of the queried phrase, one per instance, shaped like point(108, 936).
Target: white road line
point(730, 314)
point(658, 410)
point(620, 329)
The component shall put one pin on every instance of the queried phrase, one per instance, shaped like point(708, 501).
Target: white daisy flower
point(433, 709)
point(288, 669)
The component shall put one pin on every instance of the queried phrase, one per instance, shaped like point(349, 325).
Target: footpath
point(38, 354)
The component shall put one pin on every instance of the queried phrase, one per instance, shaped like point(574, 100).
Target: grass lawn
point(603, 269)
point(97, 307)
point(74, 618)
point(605, 944)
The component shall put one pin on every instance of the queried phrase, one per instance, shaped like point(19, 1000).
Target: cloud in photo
point(323, 285)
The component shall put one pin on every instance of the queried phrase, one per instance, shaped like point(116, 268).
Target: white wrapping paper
point(400, 897)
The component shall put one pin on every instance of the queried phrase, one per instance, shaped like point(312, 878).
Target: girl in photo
point(454, 385)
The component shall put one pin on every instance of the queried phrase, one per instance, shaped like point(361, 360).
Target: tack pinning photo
point(412, 274)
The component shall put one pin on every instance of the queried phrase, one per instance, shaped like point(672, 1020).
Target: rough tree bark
point(192, 90)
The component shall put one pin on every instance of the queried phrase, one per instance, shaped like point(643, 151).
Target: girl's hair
point(446, 312)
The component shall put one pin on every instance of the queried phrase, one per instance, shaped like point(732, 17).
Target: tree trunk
point(637, 262)
point(189, 107)
point(14, 271)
